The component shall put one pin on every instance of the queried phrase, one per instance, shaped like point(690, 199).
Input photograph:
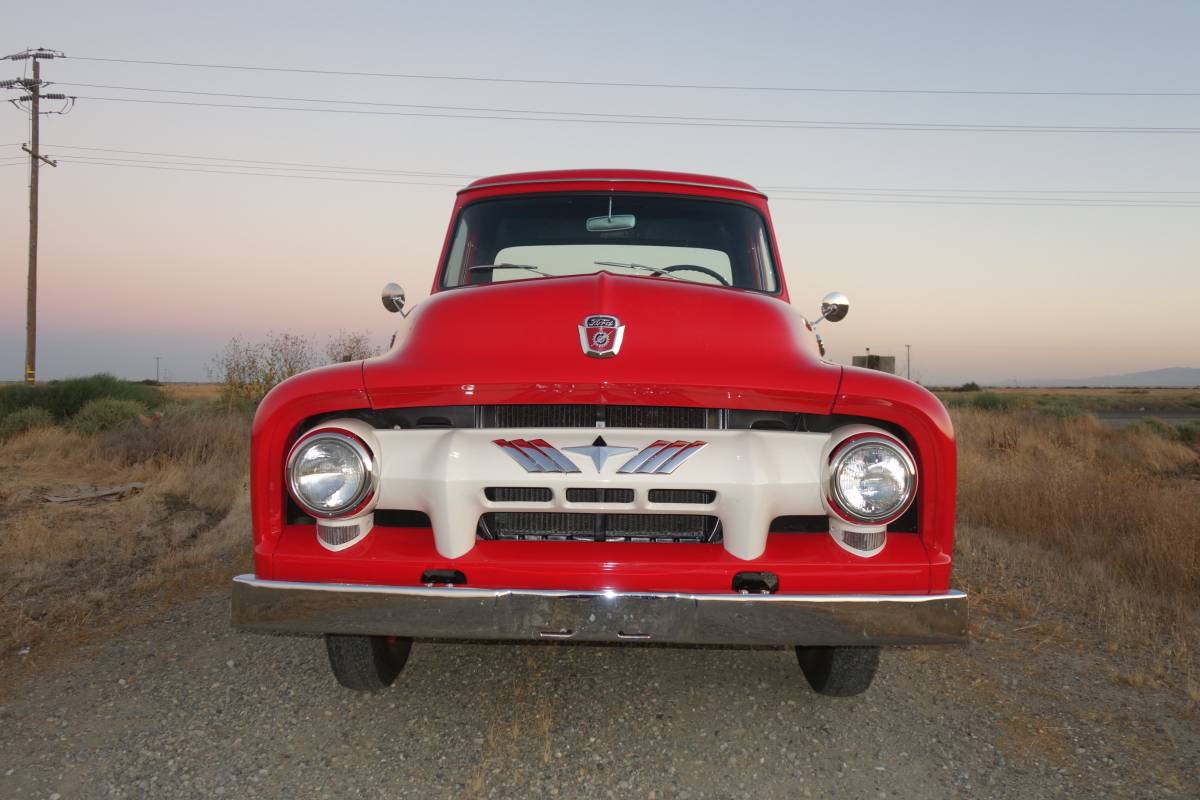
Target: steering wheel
point(712, 273)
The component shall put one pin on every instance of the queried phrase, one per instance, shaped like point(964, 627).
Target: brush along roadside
point(1085, 529)
point(1083, 532)
point(170, 514)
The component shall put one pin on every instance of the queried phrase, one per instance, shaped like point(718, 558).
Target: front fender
point(338, 387)
point(914, 409)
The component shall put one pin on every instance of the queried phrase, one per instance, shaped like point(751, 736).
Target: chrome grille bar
point(661, 457)
point(536, 456)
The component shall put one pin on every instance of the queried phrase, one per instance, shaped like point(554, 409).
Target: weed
point(63, 399)
point(66, 567)
point(106, 413)
point(24, 419)
point(1097, 522)
point(990, 401)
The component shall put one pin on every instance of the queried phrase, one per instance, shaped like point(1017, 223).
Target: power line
point(764, 187)
point(68, 160)
point(978, 191)
point(265, 170)
point(934, 196)
point(958, 193)
point(1014, 202)
point(843, 125)
point(271, 163)
point(283, 172)
point(83, 158)
point(741, 121)
point(653, 85)
point(997, 202)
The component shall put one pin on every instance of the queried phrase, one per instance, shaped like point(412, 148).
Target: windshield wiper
point(662, 273)
point(528, 267)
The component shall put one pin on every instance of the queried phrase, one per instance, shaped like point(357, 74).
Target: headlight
point(872, 479)
point(330, 473)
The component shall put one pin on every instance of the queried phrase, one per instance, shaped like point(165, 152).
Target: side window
point(766, 268)
point(456, 264)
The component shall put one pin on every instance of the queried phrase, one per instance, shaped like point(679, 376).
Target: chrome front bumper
point(598, 616)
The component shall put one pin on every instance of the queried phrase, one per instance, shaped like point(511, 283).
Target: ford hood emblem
point(600, 335)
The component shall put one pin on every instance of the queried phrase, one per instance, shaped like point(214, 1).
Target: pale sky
point(137, 263)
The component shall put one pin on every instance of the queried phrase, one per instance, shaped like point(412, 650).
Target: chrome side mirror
point(834, 307)
point(393, 299)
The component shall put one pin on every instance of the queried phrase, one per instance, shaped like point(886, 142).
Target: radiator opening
point(567, 527)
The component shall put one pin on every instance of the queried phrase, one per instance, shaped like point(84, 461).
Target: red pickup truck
point(607, 423)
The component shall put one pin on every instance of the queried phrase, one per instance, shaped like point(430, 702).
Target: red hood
point(684, 344)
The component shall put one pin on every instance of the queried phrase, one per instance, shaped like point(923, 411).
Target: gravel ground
point(186, 707)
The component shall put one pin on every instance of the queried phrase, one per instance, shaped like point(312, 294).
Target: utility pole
point(908, 361)
point(34, 97)
point(157, 379)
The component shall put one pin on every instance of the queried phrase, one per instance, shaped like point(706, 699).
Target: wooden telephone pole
point(34, 97)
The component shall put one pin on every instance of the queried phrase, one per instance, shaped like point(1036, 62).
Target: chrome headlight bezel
point(837, 460)
point(361, 499)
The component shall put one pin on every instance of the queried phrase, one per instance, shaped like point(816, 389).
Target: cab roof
point(613, 176)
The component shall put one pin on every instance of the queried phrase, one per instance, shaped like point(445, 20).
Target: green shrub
point(969, 386)
point(64, 399)
point(1156, 427)
point(990, 401)
point(105, 414)
point(1060, 411)
point(23, 420)
point(1189, 432)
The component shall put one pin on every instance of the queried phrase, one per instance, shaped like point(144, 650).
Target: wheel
point(838, 671)
point(366, 663)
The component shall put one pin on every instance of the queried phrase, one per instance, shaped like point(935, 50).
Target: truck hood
point(683, 344)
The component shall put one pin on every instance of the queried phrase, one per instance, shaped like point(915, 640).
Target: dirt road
point(186, 707)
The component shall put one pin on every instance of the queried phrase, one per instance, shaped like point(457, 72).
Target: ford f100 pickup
point(606, 423)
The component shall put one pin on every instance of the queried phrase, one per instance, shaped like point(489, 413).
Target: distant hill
point(1169, 377)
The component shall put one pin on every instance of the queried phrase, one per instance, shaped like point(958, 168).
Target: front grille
point(660, 417)
point(575, 415)
point(694, 496)
point(558, 526)
point(598, 416)
point(599, 495)
point(518, 494)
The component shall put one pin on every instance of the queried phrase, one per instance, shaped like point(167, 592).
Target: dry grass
point(186, 392)
point(1063, 518)
point(1074, 402)
point(1181, 393)
point(1064, 524)
point(69, 567)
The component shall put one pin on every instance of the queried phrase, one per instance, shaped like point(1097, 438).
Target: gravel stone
point(187, 708)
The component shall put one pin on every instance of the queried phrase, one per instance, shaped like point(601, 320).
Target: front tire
point(366, 663)
point(838, 671)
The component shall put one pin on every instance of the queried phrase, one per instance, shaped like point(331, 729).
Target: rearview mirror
point(835, 306)
point(393, 299)
point(611, 222)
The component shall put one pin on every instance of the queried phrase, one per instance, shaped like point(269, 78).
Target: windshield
point(670, 238)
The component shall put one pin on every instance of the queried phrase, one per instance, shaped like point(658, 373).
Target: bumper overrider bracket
point(462, 612)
